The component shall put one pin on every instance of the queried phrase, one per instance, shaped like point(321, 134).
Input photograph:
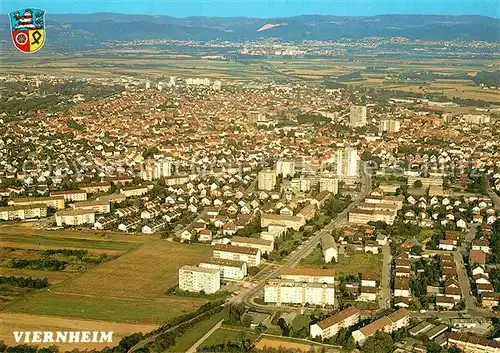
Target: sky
point(262, 8)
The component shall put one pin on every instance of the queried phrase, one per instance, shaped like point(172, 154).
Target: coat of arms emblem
point(28, 29)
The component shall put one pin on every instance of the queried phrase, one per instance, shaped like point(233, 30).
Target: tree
point(285, 328)
point(417, 184)
point(433, 347)
point(380, 342)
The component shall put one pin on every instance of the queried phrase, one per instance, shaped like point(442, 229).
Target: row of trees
point(25, 282)
point(39, 264)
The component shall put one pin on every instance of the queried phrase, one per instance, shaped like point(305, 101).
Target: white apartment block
point(238, 253)
point(282, 291)
point(330, 184)
point(197, 279)
point(71, 195)
point(74, 217)
point(229, 269)
point(357, 116)
point(23, 212)
point(285, 168)
point(265, 246)
point(330, 326)
point(163, 168)
point(389, 125)
point(347, 162)
point(266, 180)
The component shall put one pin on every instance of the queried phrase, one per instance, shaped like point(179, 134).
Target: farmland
point(102, 63)
point(125, 294)
point(146, 272)
point(130, 288)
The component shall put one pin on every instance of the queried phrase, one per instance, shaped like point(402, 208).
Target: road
point(492, 194)
point(384, 301)
point(470, 301)
point(201, 340)
point(246, 296)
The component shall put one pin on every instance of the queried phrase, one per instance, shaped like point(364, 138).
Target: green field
point(44, 241)
point(146, 272)
point(353, 264)
point(300, 321)
point(111, 309)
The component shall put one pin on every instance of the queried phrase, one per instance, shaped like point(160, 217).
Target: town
point(322, 217)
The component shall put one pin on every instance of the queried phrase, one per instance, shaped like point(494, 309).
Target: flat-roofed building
point(74, 217)
point(331, 325)
point(197, 279)
point(238, 253)
point(281, 291)
point(229, 269)
point(330, 184)
point(266, 180)
point(422, 327)
point(285, 167)
point(71, 195)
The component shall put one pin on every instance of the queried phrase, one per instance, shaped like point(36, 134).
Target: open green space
point(192, 335)
point(105, 308)
point(225, 334)
point(352, 264)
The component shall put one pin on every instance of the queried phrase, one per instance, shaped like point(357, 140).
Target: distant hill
point(93, 29)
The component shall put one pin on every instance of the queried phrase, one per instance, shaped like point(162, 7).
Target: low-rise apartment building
point(8, 213)
point(281, 291)
point(71, 195)
point(238, 253)
point(471, 343)
point(265, 246)
point(389, 324)
point(74, 217)
point(197, 279)
point(96, 187)
point(229, 269)
point(56, 202)
point(134, 191)
point(293, 222)
point(96, 206)
point(331, 325)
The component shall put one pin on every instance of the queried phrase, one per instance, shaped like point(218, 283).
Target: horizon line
point(259, 18)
